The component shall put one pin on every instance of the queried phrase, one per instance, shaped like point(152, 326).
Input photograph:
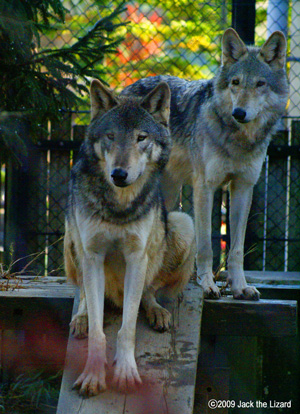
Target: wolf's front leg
point(240, 203)
point(126, 374)
point(92, 380)
point(203, 204)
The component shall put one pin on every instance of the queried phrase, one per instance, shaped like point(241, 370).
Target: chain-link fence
point(180, 38)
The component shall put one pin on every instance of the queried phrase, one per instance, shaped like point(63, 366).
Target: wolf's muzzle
point(119, 177)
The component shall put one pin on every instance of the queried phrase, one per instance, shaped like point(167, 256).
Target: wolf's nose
point(119, 175)
point(239, 114)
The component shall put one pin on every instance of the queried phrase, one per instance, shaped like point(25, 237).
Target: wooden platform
point(167, 364)
point(226, 316)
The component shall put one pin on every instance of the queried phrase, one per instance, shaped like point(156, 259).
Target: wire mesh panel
point(180, 38)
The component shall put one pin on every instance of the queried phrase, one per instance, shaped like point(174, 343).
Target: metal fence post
point(243, 19)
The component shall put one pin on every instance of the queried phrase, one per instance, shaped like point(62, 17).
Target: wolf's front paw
point(126, 376)
point(79, 326)
point(92, 381)
point(210, 289)
point(247, 293)
point(159, 318)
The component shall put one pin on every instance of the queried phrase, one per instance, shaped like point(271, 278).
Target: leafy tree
point(37, 84)
point(180, 38)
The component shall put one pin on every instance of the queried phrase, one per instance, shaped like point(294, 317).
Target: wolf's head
point(129, 135)
point(252, 81)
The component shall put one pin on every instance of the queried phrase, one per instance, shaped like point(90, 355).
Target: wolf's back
point(187, 99)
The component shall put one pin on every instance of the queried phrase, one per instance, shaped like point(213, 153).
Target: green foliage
point(11, 144)
point(175, 37)
point(30, 393)
point(37, 84)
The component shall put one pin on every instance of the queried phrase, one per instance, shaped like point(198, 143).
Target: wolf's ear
point(102, 99)
point(157, 103)
point(273, 51)
point(233, 48)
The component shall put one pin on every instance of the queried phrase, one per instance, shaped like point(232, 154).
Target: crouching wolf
point(119, 239)
point(221, 129)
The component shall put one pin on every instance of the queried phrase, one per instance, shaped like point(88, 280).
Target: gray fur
point(221, 129)
point(119, 241)
point(191, 101)
point(90, 190)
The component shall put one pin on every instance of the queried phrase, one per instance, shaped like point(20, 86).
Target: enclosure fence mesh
point(181, 38)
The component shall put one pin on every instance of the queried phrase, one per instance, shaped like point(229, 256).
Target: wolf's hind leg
point(79, 323)
point(179, 260)
point(159, 317)
point(178, 267)
point(70, 261)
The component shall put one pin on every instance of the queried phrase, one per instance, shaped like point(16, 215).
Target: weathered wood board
point(264, 318)
point(42, 307)
point(41, 287)
point(269, 277)
point(167, 364)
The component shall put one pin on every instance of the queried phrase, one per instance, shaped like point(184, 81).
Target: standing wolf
point(119, 239)
point(221, 129)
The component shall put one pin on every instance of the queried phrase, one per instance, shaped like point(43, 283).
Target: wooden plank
point(34, 333)
point(43, 287)
point(230, 370)
point(289, 292)
point(31, 350)
point(281, 362)
point(42, 315)
point(266, 318)
point(212, 384)
point(269, 277)
point(27, 286)
point(57, 287)
point(34, 320)
point(12, 347)
point(244, 355)
point(167, 363)
point(213, 376)
point(44, 297)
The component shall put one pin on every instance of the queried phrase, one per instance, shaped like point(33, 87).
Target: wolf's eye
point(235, 82)
point(141, 137)
point(260, 83)
point(110, 136)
